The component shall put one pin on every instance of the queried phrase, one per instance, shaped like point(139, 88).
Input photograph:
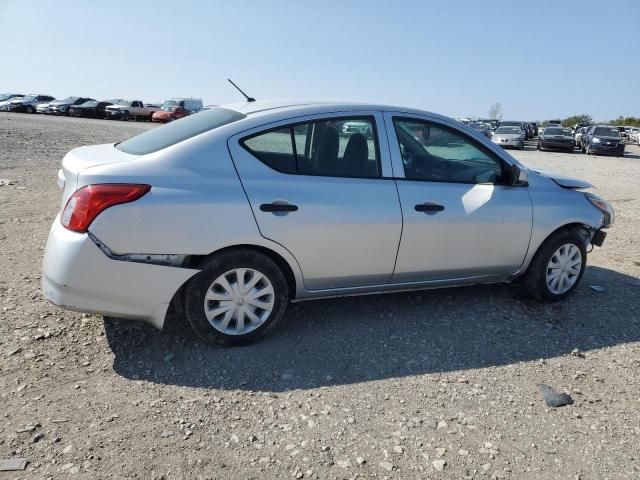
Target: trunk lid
point(80, 159)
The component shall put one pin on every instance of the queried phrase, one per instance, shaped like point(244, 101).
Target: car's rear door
point(323, 195)
point(461, 219)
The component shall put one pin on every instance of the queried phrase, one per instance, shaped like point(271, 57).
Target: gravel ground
point(432, 384)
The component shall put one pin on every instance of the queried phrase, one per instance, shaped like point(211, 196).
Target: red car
point(169, 114)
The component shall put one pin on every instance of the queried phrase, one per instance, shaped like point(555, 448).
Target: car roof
point(285, 108)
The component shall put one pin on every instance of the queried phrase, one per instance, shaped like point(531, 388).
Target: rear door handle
point(278, 207)
point(429, 207)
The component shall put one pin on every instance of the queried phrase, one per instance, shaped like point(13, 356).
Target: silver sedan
point(232, 213)
point(509, 137)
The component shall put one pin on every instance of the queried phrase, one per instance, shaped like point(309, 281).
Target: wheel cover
point(564, 269)
point(239, 301)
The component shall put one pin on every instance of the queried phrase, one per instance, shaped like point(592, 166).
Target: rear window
point(178, 131)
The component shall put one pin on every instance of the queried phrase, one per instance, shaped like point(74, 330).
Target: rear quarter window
point(178, 131)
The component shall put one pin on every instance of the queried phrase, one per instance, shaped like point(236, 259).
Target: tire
point(587, 150)
point(536, 282)
point(540, 146)
point(125, 117)
point(29, 109)
point(210, 282)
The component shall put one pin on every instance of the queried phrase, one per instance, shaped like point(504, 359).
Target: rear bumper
point(77, 275)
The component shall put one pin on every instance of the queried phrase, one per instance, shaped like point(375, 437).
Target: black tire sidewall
point(215, 266)
point(537, 273)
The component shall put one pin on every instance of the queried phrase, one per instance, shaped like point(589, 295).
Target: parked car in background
point(176, 108)
point(579, 125)
point(90, 109)
point(623, 132)
point(169, 114)
point(6, 99)
point(42, 108)
point(515, 123)
point(556, 138)
point(634, 134)
point(152, 221)
point(9, 96)
point(509, 136)
point(61, 107)
point(483, 128)
point(29, 103)
point(555, 122)
point(133, 109)
point(491, 121)
point(604, 140)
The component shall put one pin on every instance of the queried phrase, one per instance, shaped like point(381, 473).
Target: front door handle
point(429, 207)
point(278, 207)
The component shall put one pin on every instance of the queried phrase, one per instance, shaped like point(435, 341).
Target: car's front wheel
point(557, 267)
point(237, 297)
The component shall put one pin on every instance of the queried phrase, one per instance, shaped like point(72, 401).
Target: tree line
point(586, 118)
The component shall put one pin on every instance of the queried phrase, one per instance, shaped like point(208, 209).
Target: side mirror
point(517, 176)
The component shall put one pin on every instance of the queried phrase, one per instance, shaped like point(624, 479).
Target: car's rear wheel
point(29, 109)
point(237, 297)
point(556, 268)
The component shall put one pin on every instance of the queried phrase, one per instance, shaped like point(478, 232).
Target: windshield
point(28, 98)
point(557, 131)
point(68, 100)
point(170, 104)
point(479, 126)
point(508, 130)
point(176, 132)
point(511, 123)
point(606, 132)
point(90, 103)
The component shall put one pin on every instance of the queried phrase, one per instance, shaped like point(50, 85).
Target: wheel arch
point(580, 227)
point(193, 261)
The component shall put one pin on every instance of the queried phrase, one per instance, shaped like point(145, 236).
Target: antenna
point(249, 99)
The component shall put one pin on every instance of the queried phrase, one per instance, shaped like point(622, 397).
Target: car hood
point(508, 136)
point(563, 180)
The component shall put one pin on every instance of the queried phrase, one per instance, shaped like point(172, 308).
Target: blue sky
point(539, 59)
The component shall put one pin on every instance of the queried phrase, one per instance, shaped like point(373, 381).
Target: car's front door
point(461, 218)
point(317, 187)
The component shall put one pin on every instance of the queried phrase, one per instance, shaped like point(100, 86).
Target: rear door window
point(337, 147)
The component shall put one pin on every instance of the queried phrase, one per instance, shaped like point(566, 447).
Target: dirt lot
point(434, 384)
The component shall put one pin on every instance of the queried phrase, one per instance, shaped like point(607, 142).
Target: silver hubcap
point(239, 301)
point(563, 268)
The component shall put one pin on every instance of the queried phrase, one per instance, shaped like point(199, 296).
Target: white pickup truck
point(127, 110)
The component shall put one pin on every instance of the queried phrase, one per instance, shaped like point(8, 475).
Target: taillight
point(87, 203)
